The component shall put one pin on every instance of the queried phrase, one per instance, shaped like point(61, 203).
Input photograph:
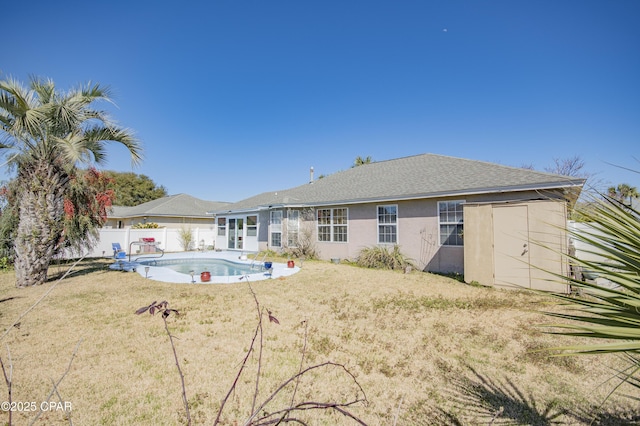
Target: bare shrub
point(304, 245)
point(185, 237)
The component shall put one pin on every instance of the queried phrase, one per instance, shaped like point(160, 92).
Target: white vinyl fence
point(166, 239)
point(584, 251)
point(587, 252)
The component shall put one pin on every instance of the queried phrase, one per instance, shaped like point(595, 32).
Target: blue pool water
point(217, 267)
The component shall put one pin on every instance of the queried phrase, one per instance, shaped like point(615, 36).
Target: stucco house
point(487, 221)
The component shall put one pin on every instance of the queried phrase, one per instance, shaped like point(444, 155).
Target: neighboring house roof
point(180, 205)
point(419, 176)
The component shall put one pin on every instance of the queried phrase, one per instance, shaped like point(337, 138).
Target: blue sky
point(234, 98)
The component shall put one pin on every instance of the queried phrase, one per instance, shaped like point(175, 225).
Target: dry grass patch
point(426, 350)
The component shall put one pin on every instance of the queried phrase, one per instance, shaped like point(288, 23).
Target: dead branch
point(7, 379)
point(304, 352)
point(280, 416)
point(175, 357)
point(308, 405)
point(260, 334)
point(256, 333)
point(163, 309)
point(235, 381)
point(56, 384)
point(283, 416)
point(61, 401)
point(395, 418)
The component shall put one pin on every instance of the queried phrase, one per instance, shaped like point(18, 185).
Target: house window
point(276, 228)
point(451, 222)
point(252, 226)
point(293, 228)
point(332, 225)
point(222, 226)
point(388, 224)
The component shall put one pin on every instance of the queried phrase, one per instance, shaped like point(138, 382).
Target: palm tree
point(359, 161)
point(46, 134)
point(628, 191)
point(622, 192)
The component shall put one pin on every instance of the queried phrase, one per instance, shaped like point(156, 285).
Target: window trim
point(393, 224)
point(275, 228)
point(451, 223)
point(293, 230)
point(222, 228)
point(332, 225)
point(251, 230)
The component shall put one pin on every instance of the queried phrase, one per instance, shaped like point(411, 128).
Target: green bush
point(383, 258)
point(5, 263)
point(148, 225)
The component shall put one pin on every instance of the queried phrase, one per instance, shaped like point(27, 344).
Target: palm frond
point(72, 148)
point(45, 89)
point(92, 115)
point(608, 308)
point(110, 134)
point(40, 121)
point(95, 91)
point(23, 117)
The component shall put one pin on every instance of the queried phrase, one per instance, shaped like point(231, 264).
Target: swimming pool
point(225, 267)
point(216, 267)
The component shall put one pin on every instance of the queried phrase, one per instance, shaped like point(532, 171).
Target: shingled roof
point(419, 176)
point(180, 205)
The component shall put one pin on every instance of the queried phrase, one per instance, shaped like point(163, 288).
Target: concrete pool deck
point(160, 273)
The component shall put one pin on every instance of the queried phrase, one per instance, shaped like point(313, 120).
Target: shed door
point(511, 246)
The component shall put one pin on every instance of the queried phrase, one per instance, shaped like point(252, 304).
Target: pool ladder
point(253, 262)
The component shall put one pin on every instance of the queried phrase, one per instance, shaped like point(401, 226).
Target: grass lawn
point(424, 348)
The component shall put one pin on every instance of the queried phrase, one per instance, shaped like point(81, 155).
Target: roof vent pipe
point(311, 175)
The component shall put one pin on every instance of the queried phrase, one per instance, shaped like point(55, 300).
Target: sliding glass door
point(236, 234)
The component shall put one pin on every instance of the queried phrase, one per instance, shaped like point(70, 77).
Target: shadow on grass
point(453, 275)
point(482, 400)
point(607, 418)
point(497, 402)
point(58, 268)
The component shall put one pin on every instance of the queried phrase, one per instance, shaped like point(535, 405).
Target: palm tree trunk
point(40, 208)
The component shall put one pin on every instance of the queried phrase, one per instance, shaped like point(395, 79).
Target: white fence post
point(164, 238)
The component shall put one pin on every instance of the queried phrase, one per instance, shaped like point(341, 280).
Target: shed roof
point(419, 176)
